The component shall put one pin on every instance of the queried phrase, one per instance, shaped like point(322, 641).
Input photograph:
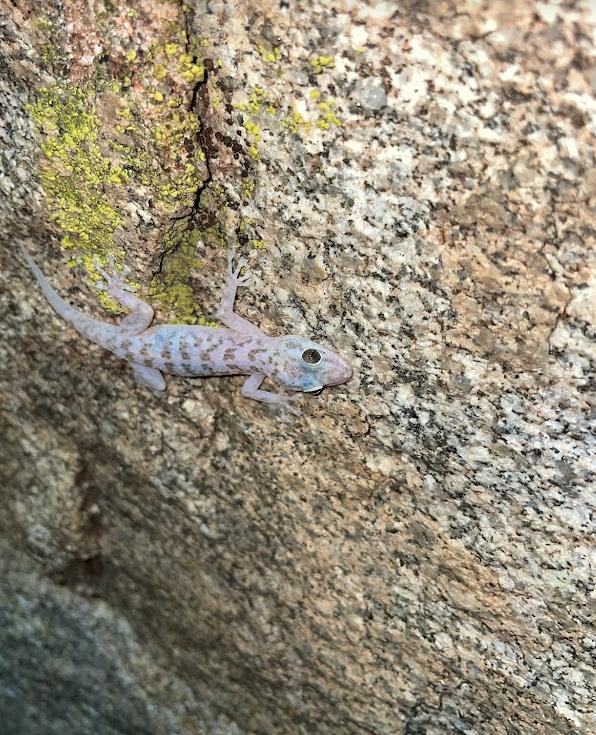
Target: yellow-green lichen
point(270, 55)
point(163, 152)
point(248, 188)
point(160, 72)
point(190, 70)
point(328, 116)
point(101, 141)
point(49, 44)
point(171, 288)
point(258, 106)
point(79, 180)
point(255, 99)
point(105, 144)
point(254, 136)
point(245, 223)
point(322, 62)
point(296, 122)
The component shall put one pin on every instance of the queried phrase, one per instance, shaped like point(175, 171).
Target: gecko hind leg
point(140, 313)
point(149, 377)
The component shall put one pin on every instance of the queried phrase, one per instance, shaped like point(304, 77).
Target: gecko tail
point(60, 306)
point(93, 329)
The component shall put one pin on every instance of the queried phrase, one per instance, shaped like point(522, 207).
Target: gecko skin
point(194, 351)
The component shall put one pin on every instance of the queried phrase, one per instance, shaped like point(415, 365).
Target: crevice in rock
point(199, 104)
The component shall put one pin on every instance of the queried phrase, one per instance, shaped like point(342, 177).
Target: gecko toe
point(286, 404)
point(112, 278)
point(100, 270)
point(287, 409)
point(239, 266)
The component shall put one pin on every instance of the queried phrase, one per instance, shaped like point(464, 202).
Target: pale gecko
point(238, 348)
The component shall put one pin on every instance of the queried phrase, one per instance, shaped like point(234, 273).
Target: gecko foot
point(114, 279)
point(285, 404)
point(235, 268)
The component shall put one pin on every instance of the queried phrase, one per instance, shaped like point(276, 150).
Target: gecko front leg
point(251, 389)
point(140, 313)
point(225, 311)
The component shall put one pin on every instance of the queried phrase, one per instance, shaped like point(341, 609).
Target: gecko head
point(303, 365)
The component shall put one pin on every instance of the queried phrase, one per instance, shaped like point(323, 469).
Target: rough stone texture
point(411, 556)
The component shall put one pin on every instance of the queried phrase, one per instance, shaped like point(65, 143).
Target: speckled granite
point(413, 183)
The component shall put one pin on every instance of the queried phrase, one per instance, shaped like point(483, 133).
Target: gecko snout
point(339, 372)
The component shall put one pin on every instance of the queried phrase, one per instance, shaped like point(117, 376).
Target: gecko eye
point(312, 357)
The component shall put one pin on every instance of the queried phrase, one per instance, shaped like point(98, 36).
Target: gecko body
point(238, 348)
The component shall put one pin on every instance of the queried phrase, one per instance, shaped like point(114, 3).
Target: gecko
point(238, 348)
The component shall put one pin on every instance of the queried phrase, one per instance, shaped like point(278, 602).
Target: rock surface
point(413, 183)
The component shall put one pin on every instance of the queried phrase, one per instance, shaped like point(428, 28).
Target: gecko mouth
point(315, 390)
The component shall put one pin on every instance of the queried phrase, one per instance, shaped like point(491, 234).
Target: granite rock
point(413, 184)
